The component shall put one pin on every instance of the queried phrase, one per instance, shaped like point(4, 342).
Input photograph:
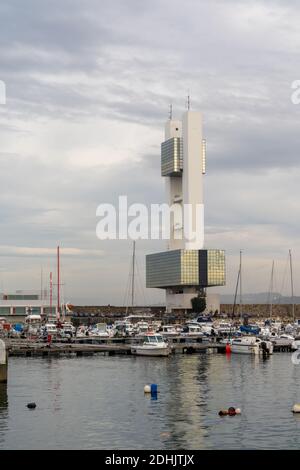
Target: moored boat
point(152, 345)
point(245, 345)
point(192, 329)
point(250, 329)
point(169, 330)
point(251, 345)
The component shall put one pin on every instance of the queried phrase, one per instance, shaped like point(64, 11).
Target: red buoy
point(228, 348)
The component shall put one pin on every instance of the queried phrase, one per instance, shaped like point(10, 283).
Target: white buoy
point(296, 408)
point(238, 411)
point(147, 389)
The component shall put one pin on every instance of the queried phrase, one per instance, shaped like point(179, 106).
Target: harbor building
point(187, 268)
point(21, 303)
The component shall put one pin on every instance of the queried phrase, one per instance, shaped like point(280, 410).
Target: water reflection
point(187, 401)
point(99, 402)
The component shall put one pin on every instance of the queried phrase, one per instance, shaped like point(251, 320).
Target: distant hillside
point(259, 298)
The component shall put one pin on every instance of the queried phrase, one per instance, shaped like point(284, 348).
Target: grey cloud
point(125, 62)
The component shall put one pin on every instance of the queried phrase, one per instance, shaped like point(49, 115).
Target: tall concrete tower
point(186, 268)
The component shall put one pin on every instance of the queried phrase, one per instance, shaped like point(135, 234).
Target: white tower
point(186, 267)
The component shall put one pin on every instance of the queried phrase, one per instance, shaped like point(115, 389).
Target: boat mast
point(51, 290)
point(292, 286)
point(271, 290)
point(58, 285)
point(133, 273)
point(235, 294)
point(241, 284)
point(41, 283)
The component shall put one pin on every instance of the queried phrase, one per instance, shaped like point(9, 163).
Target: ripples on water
point(99, 403)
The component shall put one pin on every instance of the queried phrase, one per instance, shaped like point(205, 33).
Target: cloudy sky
point(88, 88)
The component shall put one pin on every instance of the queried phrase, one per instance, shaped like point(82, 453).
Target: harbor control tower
point(187, 267)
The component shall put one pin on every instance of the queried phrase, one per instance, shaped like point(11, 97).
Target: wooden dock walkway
point(32, 349)
point(110, 347)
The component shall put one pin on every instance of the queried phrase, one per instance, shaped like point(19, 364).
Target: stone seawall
point(262, 310)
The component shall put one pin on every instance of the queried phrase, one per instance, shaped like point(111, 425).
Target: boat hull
point(245, 348)
point(147, 351)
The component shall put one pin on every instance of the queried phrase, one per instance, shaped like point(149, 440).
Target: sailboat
point(132, 279)
point(292, 286)
point(249, 343)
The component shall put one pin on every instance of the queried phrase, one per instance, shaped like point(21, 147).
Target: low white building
point(23, 303)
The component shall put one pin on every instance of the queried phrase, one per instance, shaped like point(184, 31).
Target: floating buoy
point(238, 411)
point(231, 411)
point(165, 435)
point(31, 405)
point(227, 348)
point(147, 389)
point(153, 389)
point(223, 413)
point(296, 408)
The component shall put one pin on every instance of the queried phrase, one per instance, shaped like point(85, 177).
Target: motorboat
point(192, 329)
point(142, 327)
point(224, 328)
point(206, 324)
point(33, 324)
point(49, 329)
point(169, 330)
point(151, 345)
point(67, 329)
point(251, 345)
point(245, 345)
point(250, 329)
point(100, 330)
point(82, 332)
point(283, 340)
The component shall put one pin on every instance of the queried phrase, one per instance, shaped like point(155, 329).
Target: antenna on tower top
point(188, 101)
point(171, 112)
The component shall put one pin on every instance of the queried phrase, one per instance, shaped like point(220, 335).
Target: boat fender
point(153, 389)
point(147, 389)
point(264, 345)
point(228, 348)
point(231, 411)
point(296, 408)
point(31, 406)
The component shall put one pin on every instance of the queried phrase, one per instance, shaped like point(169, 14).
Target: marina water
point(98, 403)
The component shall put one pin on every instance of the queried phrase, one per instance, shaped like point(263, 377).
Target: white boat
point(282, 340)
point(169, 330)
point(33, 324)
point(192, 329)
point(67, 329)
point(142, 327)
point(206, 324)
point(251, 345)
point(122, 328)
point(100, 330)
point(224, 328)
point(50, 329)
point(245, 345)
point(152, 345)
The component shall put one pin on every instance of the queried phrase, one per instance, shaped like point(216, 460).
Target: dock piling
point(3, 362)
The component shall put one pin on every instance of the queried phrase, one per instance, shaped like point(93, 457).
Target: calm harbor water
point(98, 403)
